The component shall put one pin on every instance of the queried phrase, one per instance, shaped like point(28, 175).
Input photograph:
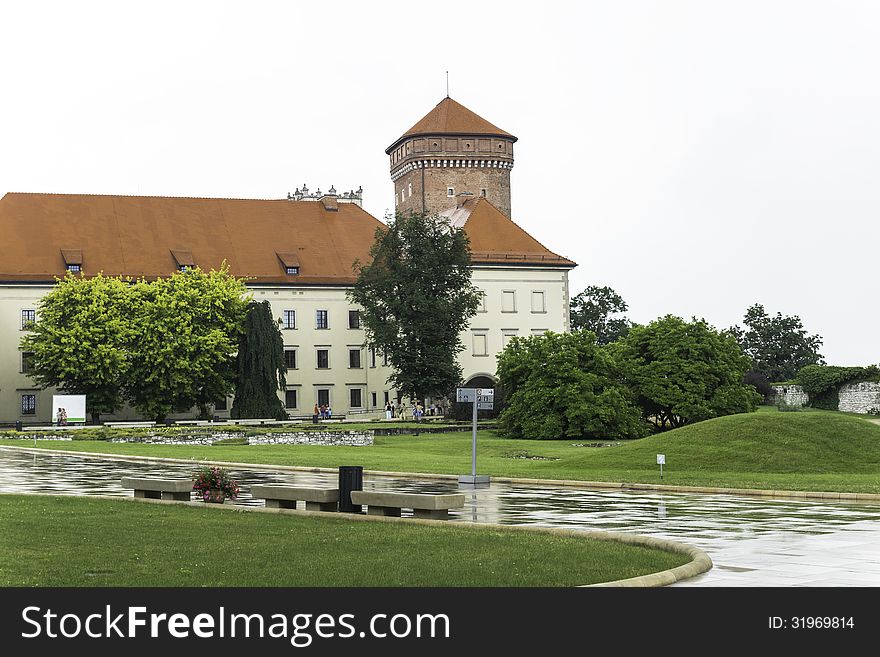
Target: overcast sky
point(697, 157)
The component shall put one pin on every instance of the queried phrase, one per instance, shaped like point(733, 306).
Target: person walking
point(315, 414)
point(388, 411)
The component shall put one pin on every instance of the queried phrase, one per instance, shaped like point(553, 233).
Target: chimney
point(462, 198)
point(329, 200)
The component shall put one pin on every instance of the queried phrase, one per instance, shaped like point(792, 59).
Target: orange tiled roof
point(147, 236)
point(139, 236)
point(497, 239)
point(452, 118)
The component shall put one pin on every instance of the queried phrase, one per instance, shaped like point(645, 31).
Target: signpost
point(661, 460)
point(482, 399)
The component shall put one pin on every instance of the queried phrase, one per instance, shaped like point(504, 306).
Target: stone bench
point(423, 505)
point(286, 497)
point(160, 489)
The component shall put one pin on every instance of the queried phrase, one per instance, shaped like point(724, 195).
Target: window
point(450, 191)
point(384, 359)
point(481, 344)
point(220, 405)
point(506, 335)
point(291, 271)
point(356, 401)
point(28, 317)
point(28, 404)
point(538, 302)
point(354, 319)
point(323, 396)
point(539, 331)
point(482, 307)
point(289, 319)
point(290, 359)
point(290, 398)
point(374, 399)
point(27, 362)
point(354, 359)
point(323, 359)
point(372, 358)
point(387, 397)
point(508, 301)
point(74, 268)
point(321, 319)
point(409, 189)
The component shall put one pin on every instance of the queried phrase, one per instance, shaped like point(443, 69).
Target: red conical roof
point(452, 118)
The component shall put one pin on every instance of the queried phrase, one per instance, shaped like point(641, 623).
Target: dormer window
point(184, 260)
point(290, 262)
point(73, 259)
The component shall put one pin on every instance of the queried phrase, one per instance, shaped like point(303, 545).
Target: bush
point(565, 386)
point(760, 383)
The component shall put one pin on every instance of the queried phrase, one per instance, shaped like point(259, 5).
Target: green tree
point(592, 310)
point(565, 386)
point(185, 332)
point(261, 369)
point(417, 296)
point(778, 346)
point(685, 371)
point(80, 340)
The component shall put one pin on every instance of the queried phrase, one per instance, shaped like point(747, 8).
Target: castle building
point(297, 254)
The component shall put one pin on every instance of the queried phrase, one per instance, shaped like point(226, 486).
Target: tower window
point(409, 189)
point(483, 193)
point(450, 191)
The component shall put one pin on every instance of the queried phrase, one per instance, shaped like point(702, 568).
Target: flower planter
point(214, 496)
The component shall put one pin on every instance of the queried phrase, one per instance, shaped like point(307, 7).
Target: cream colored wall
point(307, 378)
point(494, 322)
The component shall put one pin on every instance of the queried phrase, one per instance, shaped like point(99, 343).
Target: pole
point(474, 445)
point(661, 472)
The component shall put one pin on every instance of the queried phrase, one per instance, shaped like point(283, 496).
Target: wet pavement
point(752, 541)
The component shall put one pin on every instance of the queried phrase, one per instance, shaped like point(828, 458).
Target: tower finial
point(447, 84)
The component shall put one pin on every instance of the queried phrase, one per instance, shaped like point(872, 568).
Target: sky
point(697, 157)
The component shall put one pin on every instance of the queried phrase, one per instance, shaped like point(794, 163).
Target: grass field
point(809, 450)
point(70, 541)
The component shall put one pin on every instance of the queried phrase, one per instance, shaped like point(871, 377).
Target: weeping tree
point(261, 370)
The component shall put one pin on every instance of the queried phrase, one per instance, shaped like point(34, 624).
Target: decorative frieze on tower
point(449, 152)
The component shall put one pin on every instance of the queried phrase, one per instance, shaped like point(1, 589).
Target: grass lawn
point(809, 450)
point(75, 541)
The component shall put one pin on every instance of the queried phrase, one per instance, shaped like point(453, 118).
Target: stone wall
point(791, 395)
point(859, 398)
point(352, 438)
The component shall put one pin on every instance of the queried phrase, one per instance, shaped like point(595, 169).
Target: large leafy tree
point(779, 346)
point(685, 371)
point(594, 310)
point(185, 332)
point(565, 386)
point(261, 369)
point(80, 341)
point(417, 296)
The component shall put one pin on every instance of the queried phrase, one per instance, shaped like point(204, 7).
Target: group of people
point(418, 411)
point(322, 412)
point(62, 417)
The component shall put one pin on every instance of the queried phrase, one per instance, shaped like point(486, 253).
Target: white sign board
point(73, 405)
point(661, 459)
point(465, 394)
point(485, 392)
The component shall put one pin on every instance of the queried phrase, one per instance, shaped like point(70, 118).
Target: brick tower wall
point(431, 165)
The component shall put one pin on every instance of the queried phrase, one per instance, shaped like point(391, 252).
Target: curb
point(565, 483)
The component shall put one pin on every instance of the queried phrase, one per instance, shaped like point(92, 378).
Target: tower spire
point(447, 84)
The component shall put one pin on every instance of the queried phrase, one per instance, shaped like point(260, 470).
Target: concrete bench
point(160, 489)
point(423, 505)
point(129, 425)
point(286, 497)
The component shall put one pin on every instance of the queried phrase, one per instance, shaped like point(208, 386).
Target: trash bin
point(18, 425)
point(351, 477)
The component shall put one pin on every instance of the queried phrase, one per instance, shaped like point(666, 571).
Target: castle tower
point(449, 152)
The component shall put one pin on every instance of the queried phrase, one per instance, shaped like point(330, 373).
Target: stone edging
point(565, 483)
point(699, 563)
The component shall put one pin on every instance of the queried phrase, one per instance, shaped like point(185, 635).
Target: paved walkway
point(752, 541)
